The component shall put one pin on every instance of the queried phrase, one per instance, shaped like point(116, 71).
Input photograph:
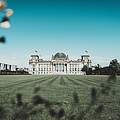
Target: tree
point(115, 66)
point(97, 69)
point(87, 70)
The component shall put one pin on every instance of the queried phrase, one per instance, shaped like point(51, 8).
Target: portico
point(60, 67)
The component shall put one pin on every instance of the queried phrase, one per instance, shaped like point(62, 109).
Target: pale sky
point(69, 26)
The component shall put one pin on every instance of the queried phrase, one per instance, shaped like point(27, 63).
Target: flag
point(86, 51)
point(36, 51)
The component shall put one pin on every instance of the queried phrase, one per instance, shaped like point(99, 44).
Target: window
point(33, 69)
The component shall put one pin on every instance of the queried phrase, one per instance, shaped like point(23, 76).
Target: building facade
point(8, 67)
point(59, 64)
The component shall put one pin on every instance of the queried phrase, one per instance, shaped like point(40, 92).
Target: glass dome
point(60, 56)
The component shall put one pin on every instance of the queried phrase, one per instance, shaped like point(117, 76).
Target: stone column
point(64, 67)
point(52, 68)
point(60, 67)
point(68, 68)
point(56, 67)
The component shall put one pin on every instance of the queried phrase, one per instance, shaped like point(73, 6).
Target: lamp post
point(5, 21)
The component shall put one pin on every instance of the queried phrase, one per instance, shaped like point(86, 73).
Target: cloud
point(103, 61)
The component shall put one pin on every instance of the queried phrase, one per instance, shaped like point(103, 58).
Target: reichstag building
point(60, 64)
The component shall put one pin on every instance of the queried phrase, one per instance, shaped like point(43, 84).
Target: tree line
point(112, 68)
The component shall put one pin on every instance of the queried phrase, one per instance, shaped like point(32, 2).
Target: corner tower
point(34, 59)
point(85, 59)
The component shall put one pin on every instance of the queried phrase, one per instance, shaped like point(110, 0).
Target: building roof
point(34, 56)
point(85, 55)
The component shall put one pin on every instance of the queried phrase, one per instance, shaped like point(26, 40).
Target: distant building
point(59, 64)
point(8, 67)
point(22, 69)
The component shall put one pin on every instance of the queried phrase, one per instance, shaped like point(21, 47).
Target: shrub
point(113, 92)
point(2, 113)
point(61, 113)
point(19, 99)
point(75, 98)
point(38, 100)
point(93, 95)
point(72, 117)
point(36, 89)
point(47, 104)
point(52, 113)
point(99, 109)
point(112, 78)
point(106, 89)
point(20, 114)
point(102, 85)
point(36, 110)
point(12, 101)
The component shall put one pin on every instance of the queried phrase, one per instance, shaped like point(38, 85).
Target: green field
point(60, 89)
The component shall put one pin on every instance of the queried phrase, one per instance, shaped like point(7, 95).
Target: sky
point(69, 26)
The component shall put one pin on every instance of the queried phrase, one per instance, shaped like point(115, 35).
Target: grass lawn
point(60, 89)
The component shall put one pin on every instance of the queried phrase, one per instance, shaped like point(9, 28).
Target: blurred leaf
point(2, 39)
